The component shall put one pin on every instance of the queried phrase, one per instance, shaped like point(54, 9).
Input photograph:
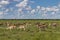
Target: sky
point(29, 9)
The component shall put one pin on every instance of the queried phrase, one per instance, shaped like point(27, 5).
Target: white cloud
point(1, 13)
point(16, 0)
point(53, 13)
point(59, 5)
point(19, 10)
point(48, 9)
point(38, 7)
point(52, 9)
point(4, 2)
point(28, 8)
point(44, 12)
point(0, 6)
point(43, 8)
point(33, 11)
point(22, 4)
point(6, 10)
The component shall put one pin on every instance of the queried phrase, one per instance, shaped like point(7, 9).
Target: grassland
point(50, 33)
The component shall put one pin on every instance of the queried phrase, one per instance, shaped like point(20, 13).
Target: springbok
point(54, 24)
point(1, 24)
point(10, 26)
point(41, 26)
point(22, 26)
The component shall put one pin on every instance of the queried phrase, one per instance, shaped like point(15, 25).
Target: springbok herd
point(39, 25)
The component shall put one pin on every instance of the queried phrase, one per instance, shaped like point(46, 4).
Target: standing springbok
point(10, 26)
point(22, 26)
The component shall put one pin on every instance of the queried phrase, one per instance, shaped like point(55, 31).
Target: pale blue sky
point(30, 9)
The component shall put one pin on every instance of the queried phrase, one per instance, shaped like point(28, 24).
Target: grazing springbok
point(54, 24)
point(41, 26)
point(1, 24)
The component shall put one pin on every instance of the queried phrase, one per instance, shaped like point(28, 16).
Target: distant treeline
point(33, 19)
